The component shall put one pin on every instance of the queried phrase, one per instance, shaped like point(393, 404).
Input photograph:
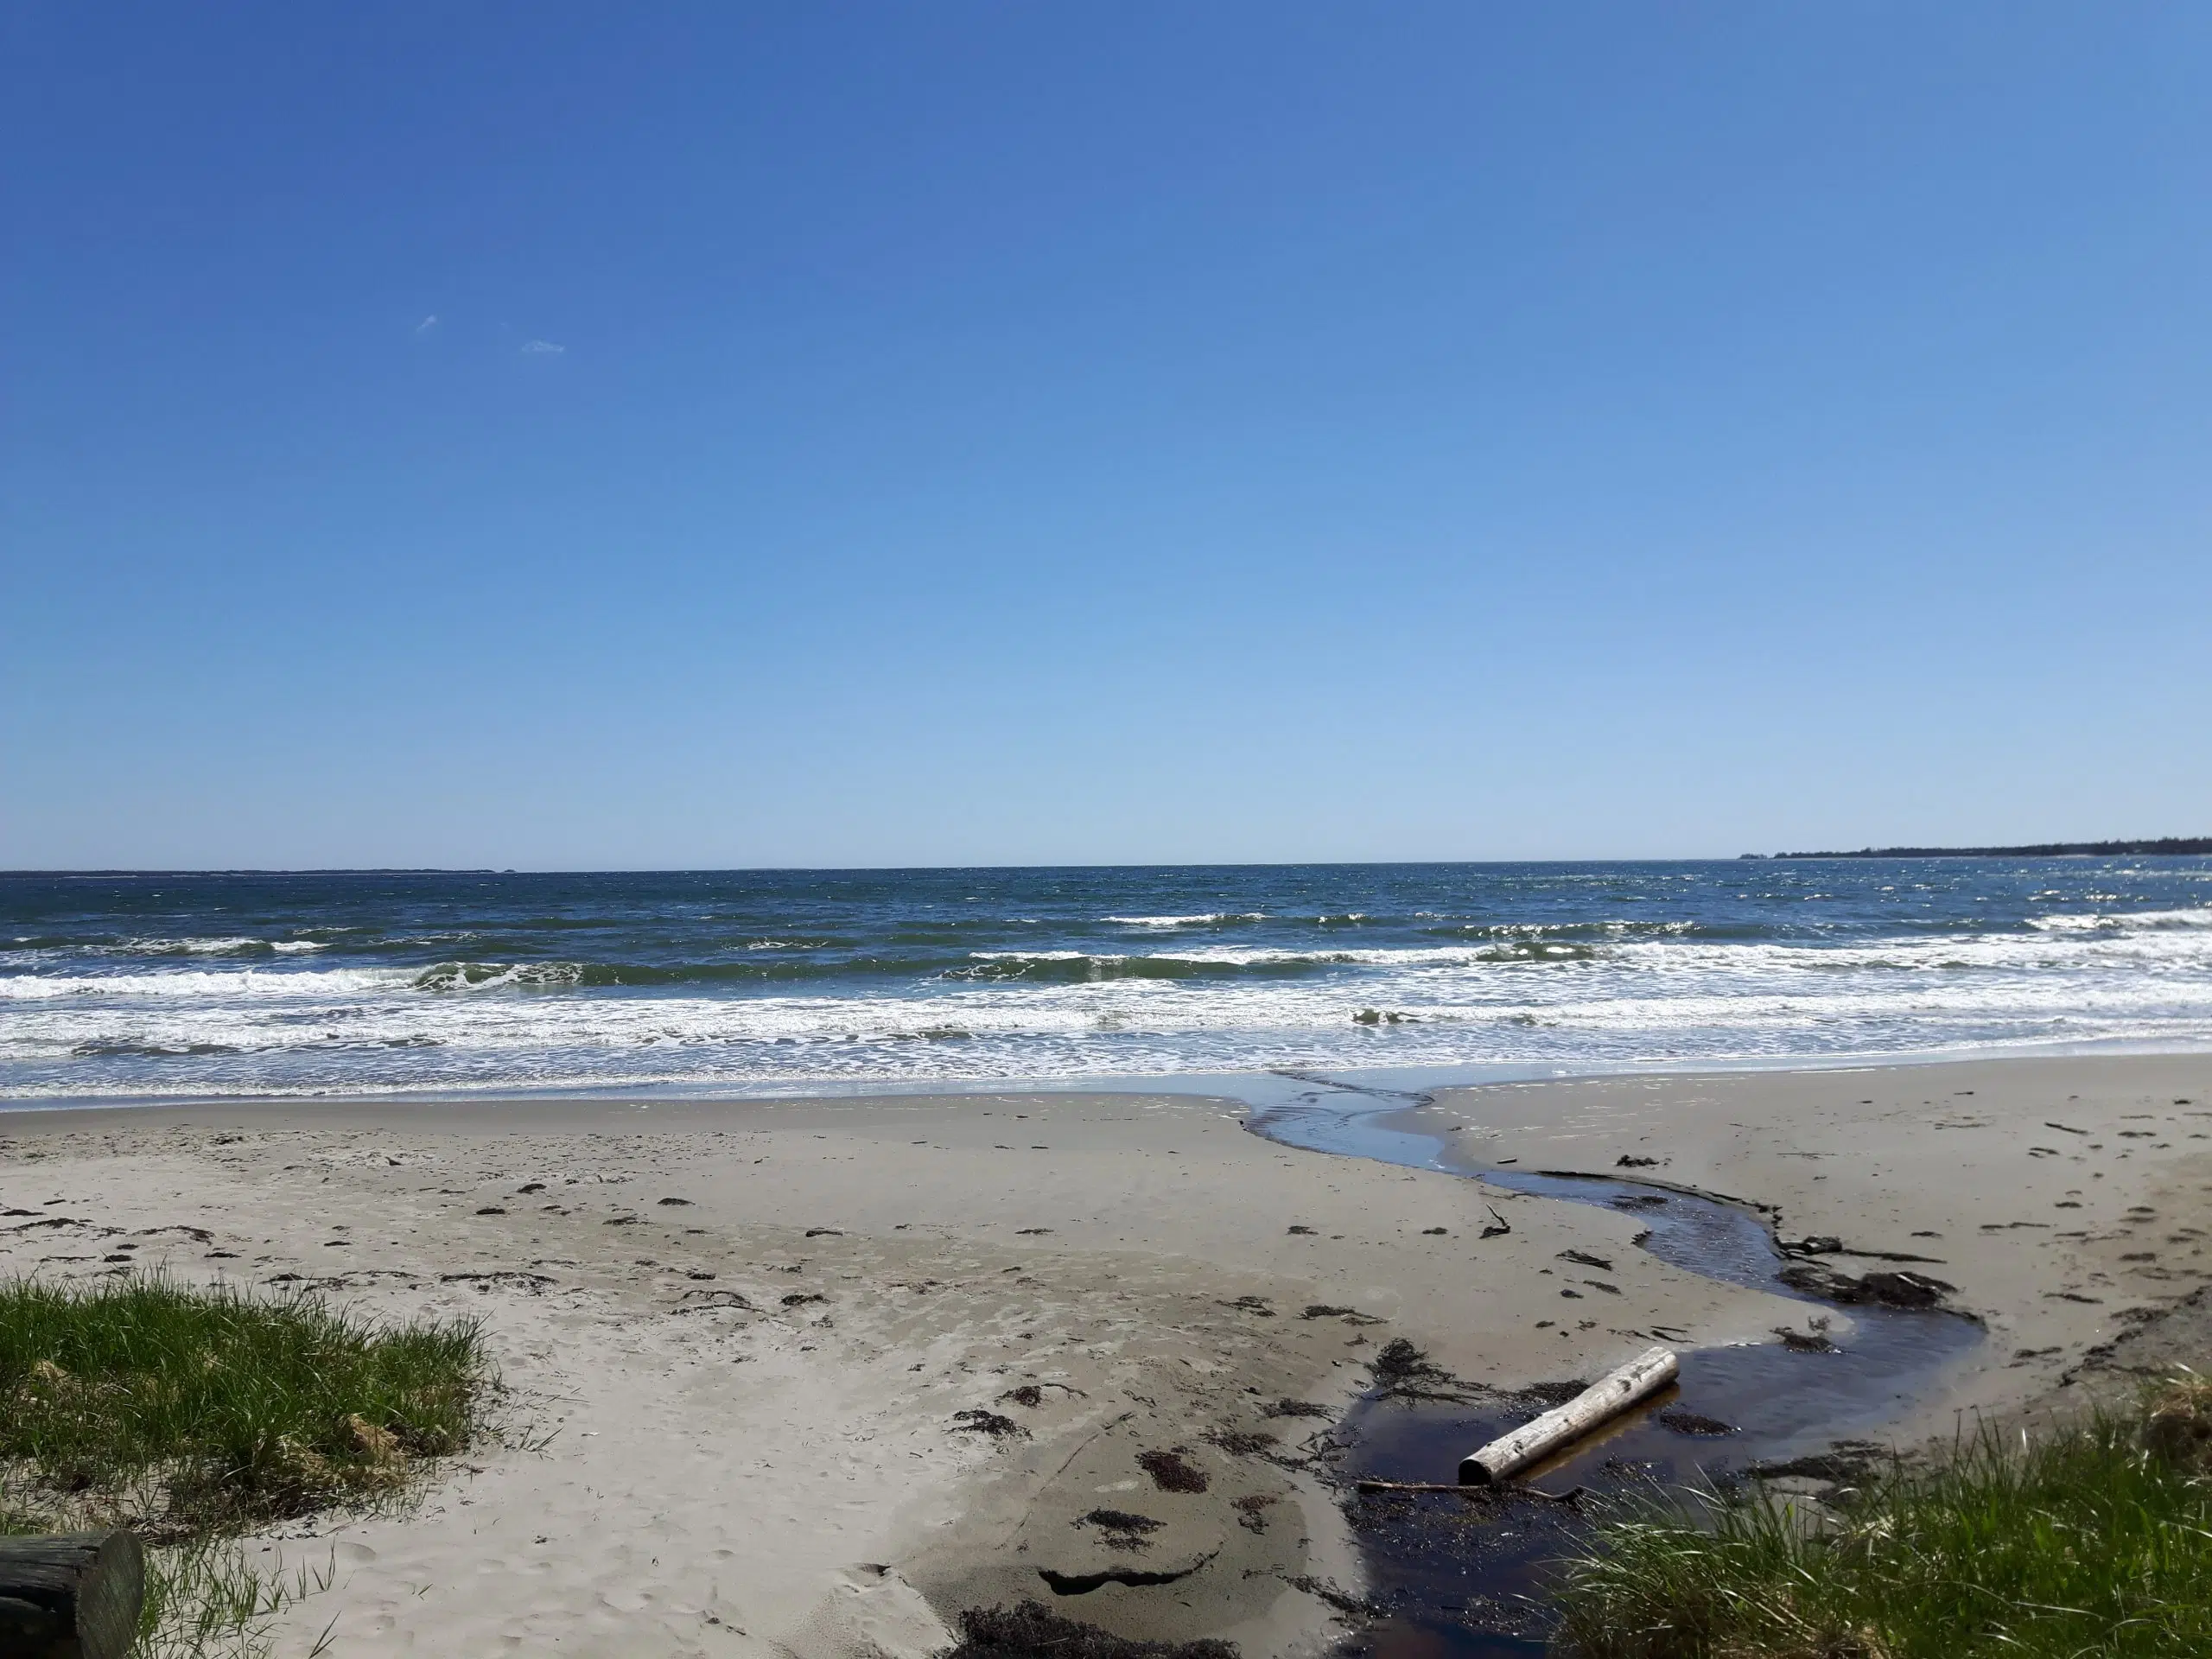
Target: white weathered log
point(1606, 1398)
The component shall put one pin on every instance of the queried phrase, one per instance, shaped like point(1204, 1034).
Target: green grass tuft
point(2090, 1542)
point(237, 1407)
point(207, 1600)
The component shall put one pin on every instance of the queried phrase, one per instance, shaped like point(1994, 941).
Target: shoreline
point(1247, 1086)
point(720, 1469)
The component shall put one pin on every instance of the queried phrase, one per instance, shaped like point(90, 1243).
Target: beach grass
point(207, 1599)
point(234, 1408)
point(2089, 1541)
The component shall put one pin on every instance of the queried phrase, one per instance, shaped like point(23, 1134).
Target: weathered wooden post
point(1607, 1397)
point(73, 1596)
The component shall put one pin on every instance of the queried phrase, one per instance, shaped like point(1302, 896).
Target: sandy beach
point(738, 1340)
point(2066, 1200)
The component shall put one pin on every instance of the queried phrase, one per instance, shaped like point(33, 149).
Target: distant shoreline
point(2170, 845)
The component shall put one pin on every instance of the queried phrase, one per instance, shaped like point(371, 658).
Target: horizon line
point(2137, 848)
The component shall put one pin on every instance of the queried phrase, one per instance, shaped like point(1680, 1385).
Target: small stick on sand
point(1607, 1397)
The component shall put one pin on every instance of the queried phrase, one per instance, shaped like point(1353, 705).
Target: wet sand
point(2068, 1201)
point(738, 1338)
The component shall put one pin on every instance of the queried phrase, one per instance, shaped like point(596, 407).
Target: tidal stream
point(1466, 1580)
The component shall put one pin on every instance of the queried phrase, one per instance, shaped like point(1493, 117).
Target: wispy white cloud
point(542, 348)
point(426, 325)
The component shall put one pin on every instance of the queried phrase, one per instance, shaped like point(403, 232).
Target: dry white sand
point(736, 1337)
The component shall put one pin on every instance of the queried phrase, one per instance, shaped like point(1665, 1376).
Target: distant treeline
point(2047, 849)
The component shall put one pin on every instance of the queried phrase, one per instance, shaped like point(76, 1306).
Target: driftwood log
point(73, 1596)
point(1606, 1398)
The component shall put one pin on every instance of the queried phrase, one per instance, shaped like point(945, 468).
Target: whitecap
point(2097, 921)
point(203, 983)
point(239, 945)
point(1214, 919)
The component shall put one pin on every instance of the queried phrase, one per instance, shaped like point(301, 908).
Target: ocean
point(185, 986)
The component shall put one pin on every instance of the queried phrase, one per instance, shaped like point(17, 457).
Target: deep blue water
point(168, 985)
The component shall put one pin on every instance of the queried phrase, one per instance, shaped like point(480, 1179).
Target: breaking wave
point(246, 985)
point(1215, 918)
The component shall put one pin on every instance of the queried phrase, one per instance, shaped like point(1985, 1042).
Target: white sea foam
point(1586, 990)
point(489, 977)
point(240, 946)
point(203, 983)
point(1213, 918)
point(2119, 921)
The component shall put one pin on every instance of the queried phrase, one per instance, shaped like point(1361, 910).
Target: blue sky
point(738, 434)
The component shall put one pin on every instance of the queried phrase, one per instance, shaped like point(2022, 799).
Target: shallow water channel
point(1464, 1578)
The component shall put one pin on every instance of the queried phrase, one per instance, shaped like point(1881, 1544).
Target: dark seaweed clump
point(1123, 1531)
point(1171, 1473)
point(1124, 1520)
point(1403, 1372)
point(986, 1422)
